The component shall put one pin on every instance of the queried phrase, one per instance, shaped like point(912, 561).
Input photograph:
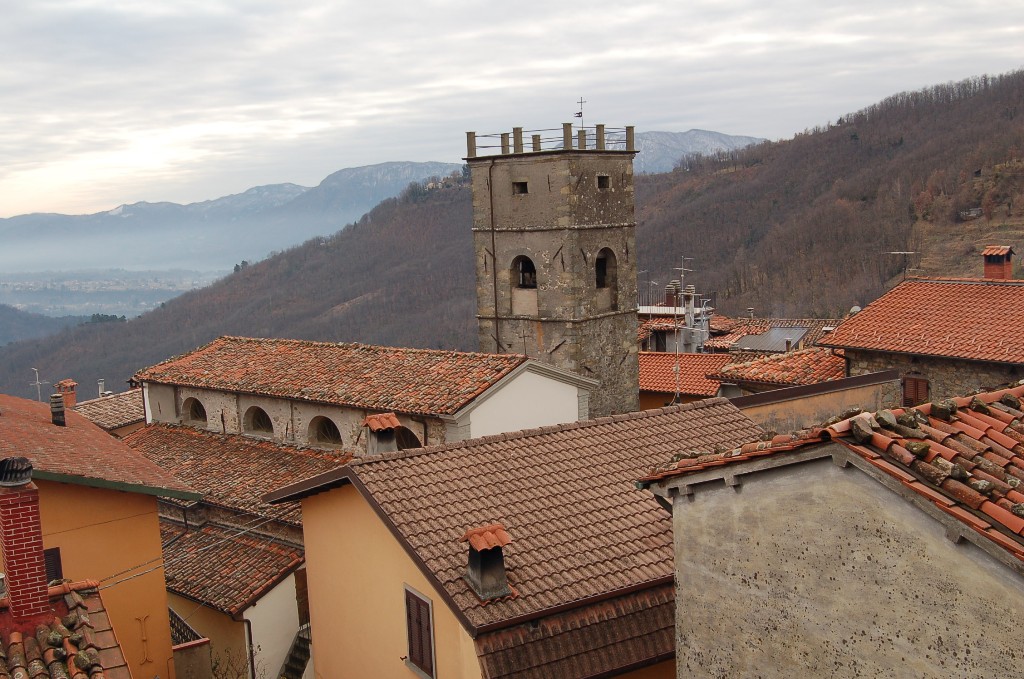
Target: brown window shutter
point(417, 613)
point(915, 390)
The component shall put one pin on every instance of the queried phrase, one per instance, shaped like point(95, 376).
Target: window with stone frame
point(419, 623)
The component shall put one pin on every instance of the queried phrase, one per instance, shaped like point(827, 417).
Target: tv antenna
point(906, 254)
point(38, 385)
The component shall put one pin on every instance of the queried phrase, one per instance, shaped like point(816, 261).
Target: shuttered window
point(915, 390)
point(421, 642)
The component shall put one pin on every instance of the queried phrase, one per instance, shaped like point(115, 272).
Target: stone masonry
point(946, 377)
point(571, 213)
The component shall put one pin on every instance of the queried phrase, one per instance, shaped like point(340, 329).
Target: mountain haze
point(793, 228)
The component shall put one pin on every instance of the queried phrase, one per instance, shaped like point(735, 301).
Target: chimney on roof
point(486, 572)
point(998, 261)
point(66, 388)
point(21, 542)
point(102, 384)
point(57, 410)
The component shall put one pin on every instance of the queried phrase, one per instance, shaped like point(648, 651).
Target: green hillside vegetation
point(18, 325)
point(792, 228)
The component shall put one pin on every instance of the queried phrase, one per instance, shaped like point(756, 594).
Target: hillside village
point(613, 483)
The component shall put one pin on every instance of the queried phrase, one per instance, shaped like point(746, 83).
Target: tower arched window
point(606, 280)
point(524, 273)
point(258, 422)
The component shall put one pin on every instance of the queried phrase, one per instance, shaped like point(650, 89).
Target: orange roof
point(421, 381)
point(657, 372)
point(967, 318)
point(807, 366)
point(80, 452)
point(997, 250)
point(739, 328)
point(964, 455)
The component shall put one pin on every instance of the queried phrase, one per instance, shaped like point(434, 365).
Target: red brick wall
point(21, 541)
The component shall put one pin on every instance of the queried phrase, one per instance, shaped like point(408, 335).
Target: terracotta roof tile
point(381, 422)
point(948, 461)
point(112, 412)
point(232, 470)
point(80, 452)
point(422, 381)
point(221, 568)
point(991, 250)
point(555, 489)
point(595, 640)
point(487, 537)
point(657, 372)
point(80, 623)
point(807, 366)
point(955, 318)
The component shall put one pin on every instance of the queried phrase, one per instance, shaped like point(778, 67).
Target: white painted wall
point(274, 620)
point(527, 401)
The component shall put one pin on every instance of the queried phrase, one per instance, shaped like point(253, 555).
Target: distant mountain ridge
point(216, 234)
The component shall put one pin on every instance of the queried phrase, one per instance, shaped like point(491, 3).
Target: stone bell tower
point(553, 234)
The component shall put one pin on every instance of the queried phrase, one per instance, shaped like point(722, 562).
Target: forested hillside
point(20, 325)
point(797, 228)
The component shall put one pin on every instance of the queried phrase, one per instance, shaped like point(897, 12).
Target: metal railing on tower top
point(596, 138)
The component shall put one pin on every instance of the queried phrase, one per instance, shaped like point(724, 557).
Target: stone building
point(944, 335)
point(553, 233)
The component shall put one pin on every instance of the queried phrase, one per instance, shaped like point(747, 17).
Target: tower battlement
point(596, 138)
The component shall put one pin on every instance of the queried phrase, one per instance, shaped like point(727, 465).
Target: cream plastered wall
point(227, 636)
point(101, 533)
point(274, 620)
point(818, 571)
point(808, 411)
point(530, 400)
point(357, 575)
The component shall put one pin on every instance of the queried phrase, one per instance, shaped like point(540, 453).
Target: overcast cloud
point(109, 102)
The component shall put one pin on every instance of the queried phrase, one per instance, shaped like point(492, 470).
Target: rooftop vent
point(15, 471)
point(486, 572)
point(998, 261)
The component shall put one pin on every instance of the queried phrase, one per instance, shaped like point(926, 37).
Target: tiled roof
point(381, 421)
point(816, 329)
point(807, 366)
point(80, 452)
point(118, 410)
point(648, 326)
point(964, 455)
point(591, 641)
point(657, 372)
point(993, 250)
point(231, 470)
point(422, 381)
point(966, 318)
point(79, 642)
point(221, 568)
point(565, 493)
point(487, 537)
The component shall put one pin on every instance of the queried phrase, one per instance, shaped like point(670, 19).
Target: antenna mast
point(38, 385)
point(677, 399)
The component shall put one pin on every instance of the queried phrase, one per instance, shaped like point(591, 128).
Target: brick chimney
point(486, 571)
point(21, 542)
point(998, 261)
point(57, 410)
point(66, 388)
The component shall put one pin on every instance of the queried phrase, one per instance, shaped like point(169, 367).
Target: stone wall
point(575, 205)
point(816, 571)
point(946, 377)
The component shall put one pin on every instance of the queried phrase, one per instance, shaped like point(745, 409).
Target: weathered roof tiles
point(418, 381)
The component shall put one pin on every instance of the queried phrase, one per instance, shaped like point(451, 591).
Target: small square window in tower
point(604, 181)
point(520, 188)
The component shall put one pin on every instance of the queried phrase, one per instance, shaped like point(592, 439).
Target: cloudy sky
point(104, 102)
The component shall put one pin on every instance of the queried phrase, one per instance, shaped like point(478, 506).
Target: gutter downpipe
point(252, 651)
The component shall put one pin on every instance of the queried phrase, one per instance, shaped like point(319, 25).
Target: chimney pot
point(57, 410)
point(486, 568)
point(66, 388)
